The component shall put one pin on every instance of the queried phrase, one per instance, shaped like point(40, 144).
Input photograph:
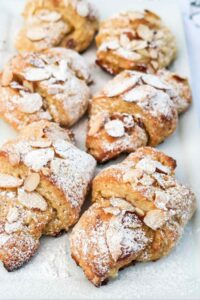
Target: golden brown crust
point(134, 41)
point(133, 110)
point(49, 23)
point(139, 214)
point(51, 85)
point(44, 180)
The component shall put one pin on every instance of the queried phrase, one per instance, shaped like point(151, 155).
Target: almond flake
point(30, 103)
point(112, 210)
point(41, 143)
point(8, 181)
point(97, 122)
point(115, 128)
point(155, 82)
point(109, 45)
point(82, 9)
point(122, 204)
point(155, 219)
point(138, 93)
point(37, 159)
point(36, 33)
point(32, 200)
point(146, 164)
point(161, 199)
point(37, 74)
point(121, 84)
point(128, 54)
point(49, 16)
point(138, 44)
point(28, 85)
point(31, 182)
point(145, 32)
point(124, 40)
point(13, 227)
point(13, 215)
point(139, 212)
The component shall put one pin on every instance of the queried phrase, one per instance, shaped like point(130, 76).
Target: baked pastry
point(44, 180)
point(135, 41)
point(49, 23)
point(51, 85)
point(133, 110)
point(139, 214)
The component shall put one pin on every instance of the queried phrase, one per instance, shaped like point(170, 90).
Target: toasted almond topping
point(97, 122)
point(8, 181)
point(13, 215)
point(155, 82)
point(7, 76)
point(36, 33)
point(115, 128)
point(31, 182)
point(41, 143)
point(124, 40)
point(138, 44)
point(121, 84)
point(38, 158)
point(82, 9)
point(13, 227)
point(28, 85)
point(46, 171)
point(14, 158)
point(155, 219)
point(138, 93)
point(112, 210)
point(37, 74)
point(122, 204)
point(32, 200)
point(139, 212)
point(49, 16)
point(132, 175)
point(30, 103)
point(145, 33)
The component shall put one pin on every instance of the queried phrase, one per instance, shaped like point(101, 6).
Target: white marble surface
point(52, 274)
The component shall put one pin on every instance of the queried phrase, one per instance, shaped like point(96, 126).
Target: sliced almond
point(82, 8)
point(46, 171)
point(145, 32)
point(31, 182)
point(112, 210)
point(96, 122)
point(36, 34)
point(13, 215)
point(32, 200)
point(155, 219)
point(9, 181)
point(14, 158)
point(41, 143)
point(155, 82)
point(109, 45)
point(138, 93)
point(122, 204)
point(139, 212)
point(7, 76)
point(30, 103)
point(138, 44)
point(37, 74)
point(121, 83)
point(49, 16)
point(28, 85)
point(124, 40)
point(37, 159)
point(128, 54)
point(115, 128)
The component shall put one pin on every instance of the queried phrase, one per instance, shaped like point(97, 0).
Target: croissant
point(49, 23)
point(44, 180)
point(139, 214)
point(52, 85)
point(135, 109)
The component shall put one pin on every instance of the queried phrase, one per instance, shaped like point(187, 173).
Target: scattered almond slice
point(9, 181)
point(109, 45)
point(37, 159)
point(7, 76)
point(146, 164)
point(30, 103)
point(41, 143)
point(82, 8)
point(145, 32)
point(31, 182)
point(122, 204)
point(49, 16)
point(13, 227)
point(32, 200)
point(13, 215)
point(155, 219)
point(138, 93)
point(112, 210)
point(37, 74)
point(36, 34)
point(28, 85)
point(97, 122)
point(138, 44)
point(124, 40)
point(155, 82)
point(115, 128)
point(139, 212)
point(128, 54)
point(121, 84)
